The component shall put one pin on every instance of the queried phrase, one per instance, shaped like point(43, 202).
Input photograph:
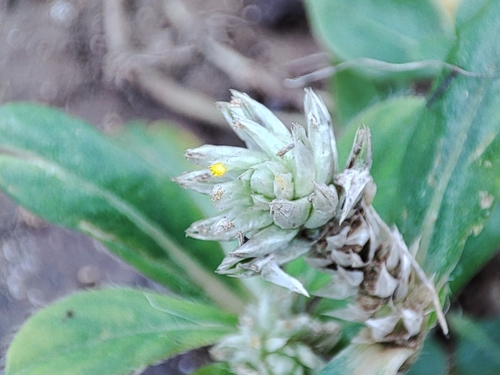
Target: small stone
point(89, 275)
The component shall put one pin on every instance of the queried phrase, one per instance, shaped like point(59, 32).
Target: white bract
point(267, 193)
point(284, 197)
point(272, 341)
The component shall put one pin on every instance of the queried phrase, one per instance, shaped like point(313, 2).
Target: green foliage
point(390, 31)
point(393, 31)
point(68, 173)
point(113, 331)
point(478, 250)
point(432, 359)
point(439, 158)
point(162, 145)
point(435, 162)
point(450, 178)
point(213, 369)
point(478, 345)
point(392, 124)
point(354, 92)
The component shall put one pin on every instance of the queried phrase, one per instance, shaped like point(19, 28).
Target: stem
point(365, 62)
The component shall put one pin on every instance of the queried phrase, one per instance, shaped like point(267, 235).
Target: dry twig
point(123, 64)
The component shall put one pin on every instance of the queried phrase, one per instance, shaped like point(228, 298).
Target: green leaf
point(389, 30)
point(374, 359)
point(431, 360)
point(68, 173)
point(477, 252)
point(355, 92)
point(391, 125)
point(214, 369)
point(479, 248)
point(478, 345)
point(469, 10)
point(451, 172)
point(159, 144)
point(112, 332)
point(162, 146)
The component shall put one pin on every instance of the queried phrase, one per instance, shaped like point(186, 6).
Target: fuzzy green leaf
point(354, 92)
point(391, 125)
point(388, 30)
point(67, 172)
point(431, 360)
point(477, 252)
point(112, 332)
point(162, 146)
point(213, 369)
point(478, 345)
point(451, 171)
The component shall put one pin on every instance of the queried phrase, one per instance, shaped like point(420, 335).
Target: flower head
point(272, 340)
point(284, 197)
point(268, 192)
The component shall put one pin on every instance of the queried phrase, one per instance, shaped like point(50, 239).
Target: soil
point(114, 61)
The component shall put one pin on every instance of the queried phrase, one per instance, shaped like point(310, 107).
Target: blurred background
point(113, 61)
point(110, 62)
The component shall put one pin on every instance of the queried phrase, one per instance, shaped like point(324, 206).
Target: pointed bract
point(266, 241)
point(272, 272)
point(304, 170)
point(320, 133)
point(262, 137)
point(201, 181)
point(353, 181)
point(283, 198)
point(290, 214)
point(269, 192)
point(260, 114)
point(324, 201)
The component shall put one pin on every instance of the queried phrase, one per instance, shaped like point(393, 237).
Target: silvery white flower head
point(267, 193)
point(284, 197)
point(272, 340)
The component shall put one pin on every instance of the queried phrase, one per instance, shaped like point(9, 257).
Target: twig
point(184, 101)
point(308, 63)
point(188, 102)
point(123, 64)
point(363, 62)
point(246, 73)
point(116, 29)
point(243, 71)
point(120, 64)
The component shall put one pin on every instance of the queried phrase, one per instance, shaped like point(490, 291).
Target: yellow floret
point(218, 169)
